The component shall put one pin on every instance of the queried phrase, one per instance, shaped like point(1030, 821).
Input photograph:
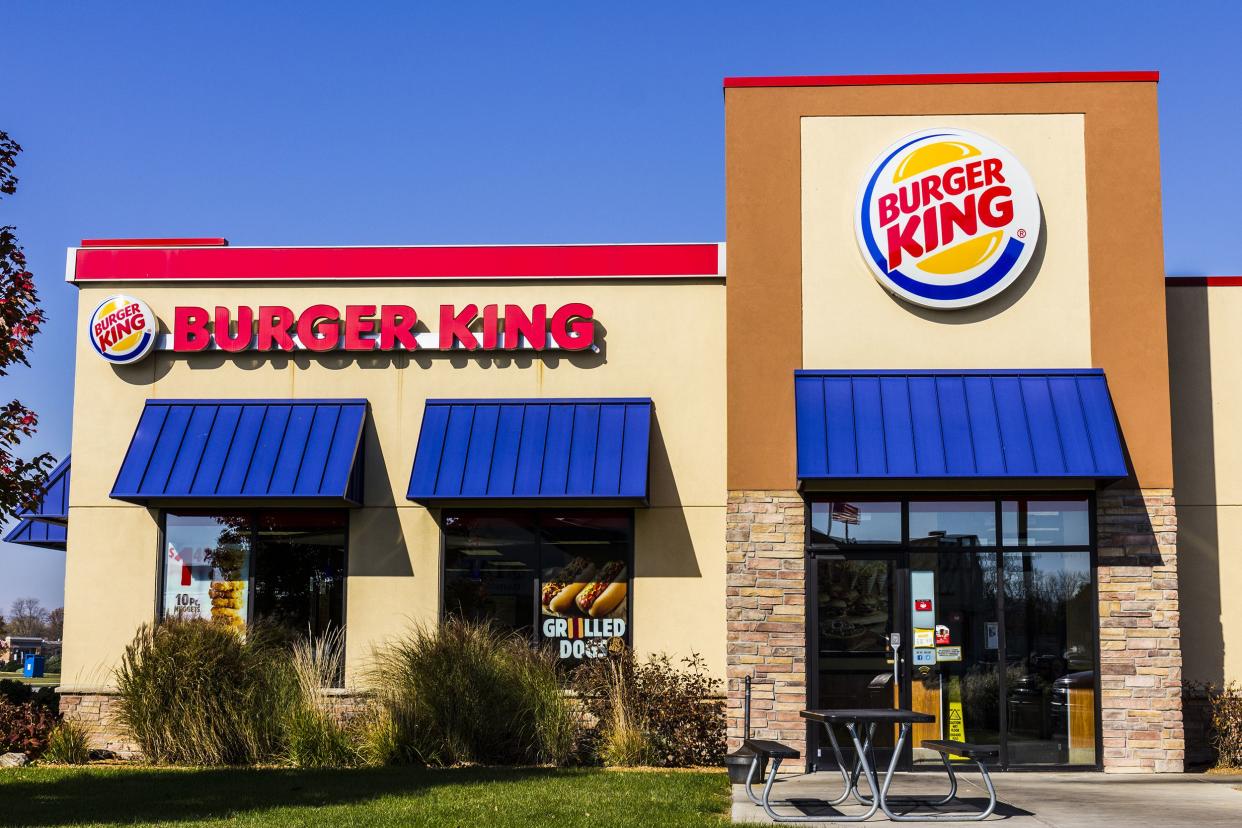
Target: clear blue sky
point(407, 123)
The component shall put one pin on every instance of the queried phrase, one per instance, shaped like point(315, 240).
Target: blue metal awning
point(38, 533)
point(965, 424)
point(245, 450)
point(44, 523)
point(539, 449)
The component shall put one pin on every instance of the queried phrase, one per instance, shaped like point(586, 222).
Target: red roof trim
point(1203, 281)
point(924, 80)
point(154, 242)
point(591, 261)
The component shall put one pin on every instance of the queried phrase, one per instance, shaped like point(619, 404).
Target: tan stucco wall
point(659, 339)
point(850, 321)
point(1205, 370)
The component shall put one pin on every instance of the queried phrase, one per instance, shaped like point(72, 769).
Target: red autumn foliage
point(21, 481)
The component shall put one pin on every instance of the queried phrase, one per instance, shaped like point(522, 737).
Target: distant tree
point(4, 627)
point(56, 624)
point(28, 617)
point(21, 481)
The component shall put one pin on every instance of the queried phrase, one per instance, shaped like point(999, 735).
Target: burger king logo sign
point(122, 329)
point(947, 218)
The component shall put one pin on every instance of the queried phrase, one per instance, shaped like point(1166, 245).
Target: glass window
point(1057, 523)
point(855, 521)
point(953, 523)
point(283, 568)
point(560, 577)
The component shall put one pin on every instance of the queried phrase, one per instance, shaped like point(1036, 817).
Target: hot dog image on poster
point(584, 606)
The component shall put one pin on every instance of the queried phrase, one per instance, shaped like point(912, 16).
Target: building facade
point(908, 438)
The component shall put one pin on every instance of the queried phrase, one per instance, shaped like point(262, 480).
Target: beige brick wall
point(1140, 633)
point(766, 603)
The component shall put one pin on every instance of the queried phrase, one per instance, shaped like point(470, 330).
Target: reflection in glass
point(854, 521)
point(490, 566)
point(1057, 523)
point(953, 523)
point(1009, 523)
point(1050, 650)
point(207, 568)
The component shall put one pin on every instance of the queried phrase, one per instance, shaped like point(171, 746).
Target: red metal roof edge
point(1203, 281)
point(205, 242)
point(943, 78)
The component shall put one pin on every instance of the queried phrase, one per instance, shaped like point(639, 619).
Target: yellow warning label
point(957, 725)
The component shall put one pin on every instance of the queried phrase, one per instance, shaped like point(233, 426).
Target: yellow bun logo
point(947, 218)
point(122, 329)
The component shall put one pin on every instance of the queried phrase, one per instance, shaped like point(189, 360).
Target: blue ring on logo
point(994, 274)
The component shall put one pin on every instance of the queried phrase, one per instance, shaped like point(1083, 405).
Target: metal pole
point(746, 711)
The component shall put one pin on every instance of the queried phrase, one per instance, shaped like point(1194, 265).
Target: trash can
point(33, 667)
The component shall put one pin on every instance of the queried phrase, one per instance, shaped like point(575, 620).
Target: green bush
point(197, 693)
point(653, 712)
point(464, 692)
point(67, 744)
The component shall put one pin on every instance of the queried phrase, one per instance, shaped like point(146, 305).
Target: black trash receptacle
point(738, 763)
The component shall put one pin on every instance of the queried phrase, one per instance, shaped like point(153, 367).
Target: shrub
point(52, 665)
point(313, 738)
point(678, 712)
point(25, 727)
point(68, 744)
point(197, 693)
point(1225, 704)
point(466, 692)
point(11, 667)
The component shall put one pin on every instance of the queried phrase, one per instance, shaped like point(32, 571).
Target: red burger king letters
point(571, 327)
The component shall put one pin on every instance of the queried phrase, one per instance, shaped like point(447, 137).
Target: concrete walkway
point(1060, 800)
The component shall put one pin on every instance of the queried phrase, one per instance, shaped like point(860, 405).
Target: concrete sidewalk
point(1060, 800)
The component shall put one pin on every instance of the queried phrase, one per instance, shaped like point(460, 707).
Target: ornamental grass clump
point(313, 736)
point(67, 744)
point(193, 692)
point(462, 692)
point(1226, 723)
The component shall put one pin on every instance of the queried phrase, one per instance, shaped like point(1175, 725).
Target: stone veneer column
point(1140, 637)
point(766, 604)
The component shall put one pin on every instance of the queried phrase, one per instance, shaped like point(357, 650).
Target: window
point(284, 568)
point(855, 521)
point(557, 577)
point(953, 523)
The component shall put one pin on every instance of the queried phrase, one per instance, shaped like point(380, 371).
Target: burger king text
point(569, 327)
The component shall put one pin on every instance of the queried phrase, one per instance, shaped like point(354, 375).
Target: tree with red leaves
point(21, 481)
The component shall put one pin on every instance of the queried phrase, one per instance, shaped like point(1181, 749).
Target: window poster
point(206, 570)
point(583, 606)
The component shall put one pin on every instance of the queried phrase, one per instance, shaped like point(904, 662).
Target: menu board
point(584, 606)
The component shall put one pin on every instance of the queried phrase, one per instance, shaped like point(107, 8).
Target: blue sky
point(418, 123)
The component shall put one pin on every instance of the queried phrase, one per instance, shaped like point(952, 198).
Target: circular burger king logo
point(122, 329)
point(947, 218)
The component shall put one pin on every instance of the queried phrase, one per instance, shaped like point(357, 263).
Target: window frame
point(252, 538)
point(536, 637)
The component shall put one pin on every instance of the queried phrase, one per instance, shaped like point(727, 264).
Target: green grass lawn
point(48, 680)
point(103, 795)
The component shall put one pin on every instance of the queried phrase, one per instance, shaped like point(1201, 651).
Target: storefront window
point(559, 577)
point(953, 523)
point(855, 521)
point(285, 569)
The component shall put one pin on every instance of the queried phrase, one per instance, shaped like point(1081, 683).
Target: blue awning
point(38, 533)
point(965, 424)
point(43, 524)
point(539, 449)
point(245, 450)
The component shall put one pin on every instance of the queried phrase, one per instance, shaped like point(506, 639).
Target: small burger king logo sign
point(122, 329)
point(947, 218)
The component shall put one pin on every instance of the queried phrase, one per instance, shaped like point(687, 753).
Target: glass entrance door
point(993, 602)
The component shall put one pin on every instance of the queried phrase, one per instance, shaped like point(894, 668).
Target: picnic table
point(861, 724)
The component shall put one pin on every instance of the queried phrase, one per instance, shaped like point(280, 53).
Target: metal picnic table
point(867, 720)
